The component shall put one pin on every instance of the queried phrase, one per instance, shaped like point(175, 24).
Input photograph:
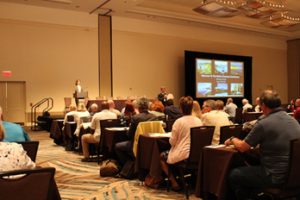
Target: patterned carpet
point(77, 180)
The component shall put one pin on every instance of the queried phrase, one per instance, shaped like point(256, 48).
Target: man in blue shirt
point(273, 133)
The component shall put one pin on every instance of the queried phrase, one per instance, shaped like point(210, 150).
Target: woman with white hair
point(246, 105)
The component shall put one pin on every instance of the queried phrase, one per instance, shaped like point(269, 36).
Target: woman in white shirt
point(12, 155)
point(180, 138)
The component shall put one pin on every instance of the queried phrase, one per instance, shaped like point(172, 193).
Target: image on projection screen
point(219, 78)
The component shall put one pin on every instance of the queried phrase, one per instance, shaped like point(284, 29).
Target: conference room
point(128, 49)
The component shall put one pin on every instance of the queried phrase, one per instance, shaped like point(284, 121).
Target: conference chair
point(169, 124)
point(107, 123)
point(292, 186)
point(238, 116)
point(70, 118)
point(145, 128)
point(229, 131)
point(28, 184)
point(250, 116)
point(31, 147)
point(68, 102)
point(200, 136)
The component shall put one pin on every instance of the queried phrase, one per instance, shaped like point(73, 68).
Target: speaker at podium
point(80, 95)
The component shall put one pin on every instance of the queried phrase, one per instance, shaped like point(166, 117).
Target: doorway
point(13, 100)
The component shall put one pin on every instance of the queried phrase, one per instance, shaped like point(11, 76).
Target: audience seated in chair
point(112, 108)
point(70, 114)
point(124, 149)
point(257, 105)
point(215, 116)
point(93, 109)
point(273, 134)
point(12, 155)
point(180, 139)
point(13, 132)
point(230, 109)
point(127, 112)
point(246, 105)
point(94, 136)
point(78, 116)
point(157, 108)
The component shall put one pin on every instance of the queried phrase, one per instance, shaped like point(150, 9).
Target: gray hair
point(210, 103)
point(143, 103)
point(270, 98)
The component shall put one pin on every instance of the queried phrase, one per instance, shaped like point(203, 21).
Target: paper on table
point(215, 146)
point(160, 134)
point(117, 129)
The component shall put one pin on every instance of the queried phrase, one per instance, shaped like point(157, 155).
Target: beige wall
point(49, 58)
point(148, 55)
point(49, 53)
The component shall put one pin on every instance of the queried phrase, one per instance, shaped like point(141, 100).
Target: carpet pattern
point(77, 180)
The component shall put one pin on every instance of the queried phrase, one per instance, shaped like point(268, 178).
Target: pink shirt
point(180, 138)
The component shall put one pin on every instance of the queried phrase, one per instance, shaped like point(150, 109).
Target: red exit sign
point(6, 73)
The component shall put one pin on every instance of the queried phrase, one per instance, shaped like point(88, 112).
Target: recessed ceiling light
point(60, 1)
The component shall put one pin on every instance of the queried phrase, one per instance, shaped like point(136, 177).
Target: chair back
point(169, 124)
point(146, 127)
point(238, 116)
point(70, 118)
point(68, 102)
point(200, 136)
point(31, 147)
point(294, 165)
point(85, 119)
point(107, 123)
point(229, 131)
point(250, 116)
point(29, 184)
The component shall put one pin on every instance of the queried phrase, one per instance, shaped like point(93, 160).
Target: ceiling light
point(272, 12)
point(60, 1)
point(218, 8)
point(283, 19)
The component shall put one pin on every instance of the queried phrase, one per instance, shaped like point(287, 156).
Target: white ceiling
point(172, 11)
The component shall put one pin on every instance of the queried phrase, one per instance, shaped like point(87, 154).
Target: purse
point(109, 168)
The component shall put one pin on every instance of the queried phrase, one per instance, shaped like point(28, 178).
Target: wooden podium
point(80, 95)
